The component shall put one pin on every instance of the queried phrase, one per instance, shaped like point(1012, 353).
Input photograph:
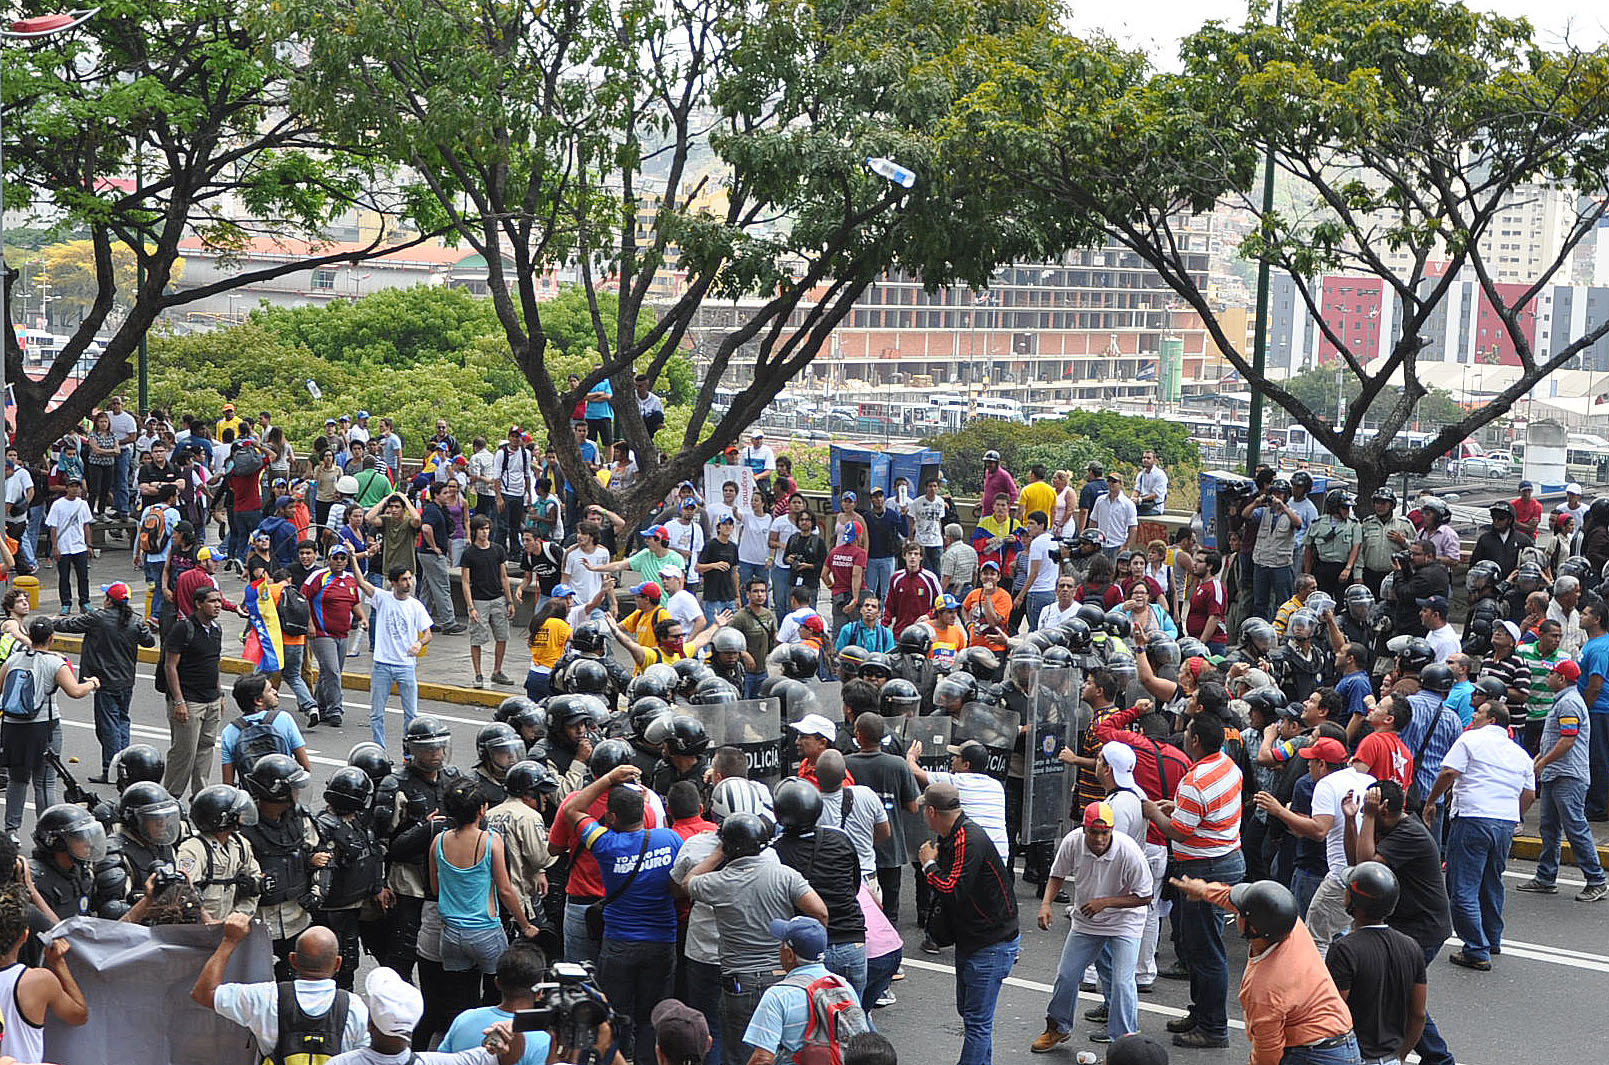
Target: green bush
point(1114, 440)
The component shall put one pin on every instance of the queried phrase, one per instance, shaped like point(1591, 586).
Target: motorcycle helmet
point(1078, 632)
point(608, 755)
point(1436, 677)
point(1119, 624)
point(1373, 888)
point(498, 746)
point(1267, 908)
point(798, 805)
point(743, 835)
point(735, 795)
point(876, 667)
point(1359, 601)
point(219, 807)
point(712, 690)
point(139, 761)
point(1301, 625)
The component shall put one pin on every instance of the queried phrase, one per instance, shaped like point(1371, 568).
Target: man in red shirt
point(246, 500)
point(846, 576)
point(335, 597)
point(1209, 603)
point(1527, 510)
point(912, 591)
point(1382, 754)
point(198, 576)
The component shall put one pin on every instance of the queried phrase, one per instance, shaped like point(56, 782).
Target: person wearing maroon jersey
point(912, 591)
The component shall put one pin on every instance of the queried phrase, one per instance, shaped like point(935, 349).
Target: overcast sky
point(1157, 25)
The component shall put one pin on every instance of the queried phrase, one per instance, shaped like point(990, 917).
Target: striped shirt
point(1513, 673)
point(983, 799)
point(1429, 714)
point(1540, 704)
point(1207, 809)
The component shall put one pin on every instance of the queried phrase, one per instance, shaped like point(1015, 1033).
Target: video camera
point(571, 1009)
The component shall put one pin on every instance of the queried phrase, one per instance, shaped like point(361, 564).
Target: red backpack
point(835, 1018)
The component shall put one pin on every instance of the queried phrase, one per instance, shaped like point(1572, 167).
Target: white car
point(1493, 465)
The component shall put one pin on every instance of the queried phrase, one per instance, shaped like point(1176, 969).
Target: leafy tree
point(1314, 390)
point(1405, 127)
point(393, 327)
point(1114, 440)
point(721, 144)
point(182, 96)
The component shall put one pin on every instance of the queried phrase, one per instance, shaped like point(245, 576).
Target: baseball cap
point(757, 434)
point(1137, 1050)
point(1291, 711)
point(814, 623)
point(815, 725)
point(282, 501)
point(941, 795)
point(671, 571)
point(228, 408)
point(205, 554)
point(116, 590)
point(444, 446)
point(1527, 484)
point(1099, 813)
point(1568, 668)
point(849, 497)
point(346, 417)
point(656, 532)
point(395, 1005)
point(732, 449)
point(1121, 760)
point(850, 535)
point(331, 421)
point(725, 519)
point(650, 589)
point(805, 936)
point(562, 591)
point(690, 504)
point(1572, 489)
point(363, 414)
point(878, 491)
point(1438, 603)
point(971, 752)
point(948, 602)
point(1512, 629)
point(1327, 750)
point(990, 563)
point(681, 1032)
point(340, 549)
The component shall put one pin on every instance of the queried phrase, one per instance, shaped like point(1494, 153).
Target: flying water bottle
point(891, 170)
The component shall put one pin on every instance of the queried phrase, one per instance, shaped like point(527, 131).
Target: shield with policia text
point(753, 726)
point(993, 726)
point(1046, 778)
point(934, 733)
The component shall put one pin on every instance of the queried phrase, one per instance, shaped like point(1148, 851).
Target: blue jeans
point(715, 606)
point(1563, 801)
point(120, 489)
point(1122, 998)
point(112, 722)
point(538, 685)
point(290, 674)
point(242, 523)
point(407, 682)
point(930, 559)
point(1432, 1047)
point(746, 572)
point(30, 542)
point(879, 975)
point(752, 682)
point(879, 571)
point(1271, 586)
point(153, 577)
point(1303, 884)
point(1477, 852)
point(1346, 1053)
point(781, 585)
point(1598, 748)
point(579, 946)
point(1037, 601)
point(740, 997)
point(848, 960)
point(978, 977)
point(1201, 943)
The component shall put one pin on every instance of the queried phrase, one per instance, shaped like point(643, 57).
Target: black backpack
point(295, 615)
point(257, 740)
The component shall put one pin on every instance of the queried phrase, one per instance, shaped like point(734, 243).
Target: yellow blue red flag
point(265, 645)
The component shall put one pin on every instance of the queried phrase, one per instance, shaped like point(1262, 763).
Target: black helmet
point(1190, 647)
point(590, 637)
point(1092, 536)
point(1303, 480)
point(426, 733)
point(1576, 566)
point(1268, 699)
point(276, 778)
point(712, 690)
point(797, 698)
point(1119, 624)
point(876, 666)
point(959, 688)
point(222, 806)
point(899, 697)
point(1412, 652)
point(850, 659)
point(1055, 636)
point(1490, 687)
point(661, 675)
point(1372, 887)
point(744, 835)
point(1481, 575)
point(497, 745)
point(137, 762)
point(349, 790)
point(687, 736)
point(687, 670)
point(372, 760)
point(1058, 658)
point(643, 712)
point(978, 661)
point(1435, 508)
point(1257, 633)
point(1079, 636)
point(565, 711)
point(916, 640)
point(529, 778)
point(71, 829)
point(651, 685)
point(586, 676)
point(1335, 500)
point(608, 755)
point(1501, 507)
point(1436, 677)
point(1267, 907)
point(798, 805)
point(1280, 484)
point(147, 809)
point(1384, 495)
point(1359, 601)
point(522, 713)
point(1092, 615)
point(728, 641)
point(1529, 578)
point(800, 661)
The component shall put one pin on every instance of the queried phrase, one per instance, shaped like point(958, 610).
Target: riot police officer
point(216, 859)
point(68, 843)
point(727, 649)
point(526, 718)
point(913, 659)
point(355, 876)
point(519, 820)
point(1257, 638)
point(590, 643)
point(149, 826)
point(136, 762)
point(286, 842)
point(1303, 664)
point(686, 754)
point(572, 734)
point(645, 710)
point(497, 747)
point(407, 817)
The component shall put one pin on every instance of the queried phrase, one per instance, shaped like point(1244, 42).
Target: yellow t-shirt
point(236, 423)
point(1037, 496)
point(641, 625)
point(548, 642)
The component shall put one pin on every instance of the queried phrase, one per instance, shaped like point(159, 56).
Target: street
point(1529, 1008)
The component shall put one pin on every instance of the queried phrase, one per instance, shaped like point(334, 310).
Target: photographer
point(217, 861)
point(1275, 549)
point(519, 970)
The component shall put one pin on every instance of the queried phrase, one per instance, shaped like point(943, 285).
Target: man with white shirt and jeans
point(1039, 589)
point(68, 522)
point(1493, 783)
point(1150, 486)
point(1114, 514)
point(1334, 781)
point(927, 512)
point(1063, 608)
point(1433, 614)
point(855, 809)
point(983, 798)
point(401, 626)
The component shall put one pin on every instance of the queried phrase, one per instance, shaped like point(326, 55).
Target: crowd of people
point(1290, 730)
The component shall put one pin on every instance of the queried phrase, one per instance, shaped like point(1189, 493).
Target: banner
point(716, 476)
point(137, 982)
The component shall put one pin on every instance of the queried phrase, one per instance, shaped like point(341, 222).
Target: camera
point(571, 1009)
point(164, 876)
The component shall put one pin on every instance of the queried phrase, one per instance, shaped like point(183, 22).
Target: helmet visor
point(245, 810)
point(160, 824)
point(88, 843)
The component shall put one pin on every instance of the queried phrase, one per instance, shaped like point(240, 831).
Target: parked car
point(1494, 464)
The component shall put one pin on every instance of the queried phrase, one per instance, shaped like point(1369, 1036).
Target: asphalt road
point(1555, 963)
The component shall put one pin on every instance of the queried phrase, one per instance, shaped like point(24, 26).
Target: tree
point(1069, 444)
point(1314, 390)
point(159, 120)
point(1400, 128)
point(715, 147)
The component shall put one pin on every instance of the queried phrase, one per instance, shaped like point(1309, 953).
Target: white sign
point(715, 477)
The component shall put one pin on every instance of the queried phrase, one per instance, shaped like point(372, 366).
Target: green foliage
point(1114, 440)
point(1130, 436)
point(390, 327)
point(1315, 391)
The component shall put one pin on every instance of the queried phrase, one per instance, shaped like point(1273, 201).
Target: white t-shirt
point(1039, 551)
point(690, 538)
point(1114, 518)
point(784, 528)
point(1494, 771)
point(366, 1056)
point(17, 486)
point(788, 630)
point(122, 425)
point(585, 582)
point(1328, 794)
point(256, 1006)
point(927, 517)
point(983, 798)
point(759, 458)
point(357, 433)
point(718, 510)
point(1054, 614)
point(1122, 870)
point(1444, 641)
point(754, 539)
point(397, 626)
point(683, 606)
point(69, 517)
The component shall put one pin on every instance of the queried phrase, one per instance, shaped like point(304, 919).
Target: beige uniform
point(525, 843)
point(212, 867)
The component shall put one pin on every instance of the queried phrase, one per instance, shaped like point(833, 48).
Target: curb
point(1529, 849)
point(350, 681)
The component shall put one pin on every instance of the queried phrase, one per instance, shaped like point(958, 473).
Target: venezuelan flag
point(265, 647)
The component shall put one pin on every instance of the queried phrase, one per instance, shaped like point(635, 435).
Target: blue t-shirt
point(645, 913)
point(1309, 514)
point(284, 725)
point(1353, 689)
point(469, 1027)
point(601, 409)
point(1461, 701)
point(1595, 660)
point(780, 1018)
point(1310, 856)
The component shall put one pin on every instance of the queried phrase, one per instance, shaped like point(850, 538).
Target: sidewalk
point(1528, 842)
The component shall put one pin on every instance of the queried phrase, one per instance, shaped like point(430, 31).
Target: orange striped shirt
point(1207, 809)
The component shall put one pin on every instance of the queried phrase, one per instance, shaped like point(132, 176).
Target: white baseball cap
point(1120, 757)
point(816, 725)
point(1572, 489)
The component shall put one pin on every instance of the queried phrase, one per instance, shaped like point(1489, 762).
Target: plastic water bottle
point(1086, 1057)
point(892, 171)
point(313, 389)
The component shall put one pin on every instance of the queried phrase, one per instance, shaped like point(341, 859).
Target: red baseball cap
point(1568, 668)
point(120, 591)
point(1327, 750)
point(814, 623)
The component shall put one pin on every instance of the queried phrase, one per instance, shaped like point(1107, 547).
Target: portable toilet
point(859, 469)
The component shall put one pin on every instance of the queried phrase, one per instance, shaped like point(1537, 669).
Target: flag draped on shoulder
point(265, 645)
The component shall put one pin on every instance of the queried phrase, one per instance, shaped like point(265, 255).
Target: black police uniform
point(490, 787)
point(665, 774)
point(408, 817)
point(356, 874)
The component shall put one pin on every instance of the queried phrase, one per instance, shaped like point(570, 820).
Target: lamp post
point(26, 29)
point(1259, 351)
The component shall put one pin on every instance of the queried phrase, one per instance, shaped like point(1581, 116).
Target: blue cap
point(1438, 603)
point(848, 497)
point(948, 602)
point(562, 591)
point(1527, 484)
point(363, 414)
point(850, 534)
point(805, 936)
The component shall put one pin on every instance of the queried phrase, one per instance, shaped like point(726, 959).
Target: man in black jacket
point(1422, 578)
point(1501, 542)
point(965, 869)
point(113, 636)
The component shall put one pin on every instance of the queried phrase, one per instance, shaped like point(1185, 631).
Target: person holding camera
point(216, 859)
point(519, 970)
point(1275, 550)
point(395, 1007)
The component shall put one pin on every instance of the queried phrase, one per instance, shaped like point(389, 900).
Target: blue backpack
point(19, 693)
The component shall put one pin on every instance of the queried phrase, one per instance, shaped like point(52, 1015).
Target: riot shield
point(754, 726)
point(993, 726)
point(1047, 781)
point(935, 734)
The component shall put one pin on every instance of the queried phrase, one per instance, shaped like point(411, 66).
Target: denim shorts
point(463, 949)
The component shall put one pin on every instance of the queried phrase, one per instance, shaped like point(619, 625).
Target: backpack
point(20, 698)
point(247, 460)
point(154, 535)
point(295, 614)
point(835, 1018)
point(256, 740)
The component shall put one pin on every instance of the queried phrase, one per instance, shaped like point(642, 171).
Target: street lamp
point(26, 29)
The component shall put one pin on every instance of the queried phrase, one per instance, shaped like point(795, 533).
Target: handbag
point(594, 912)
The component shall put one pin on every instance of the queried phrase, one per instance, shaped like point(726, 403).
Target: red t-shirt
point(1208, 599)
point(1386, 757)
point(248, 492)
point(585, 881)
point(1527, 512)
point(332, 599)
point(841, 563)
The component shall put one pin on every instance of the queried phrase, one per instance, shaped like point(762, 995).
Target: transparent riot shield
point(1047, 781)
point(754, 726)
point(993, 726)
point(935, 733)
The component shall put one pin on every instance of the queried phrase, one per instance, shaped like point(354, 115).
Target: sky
point(1157, 25)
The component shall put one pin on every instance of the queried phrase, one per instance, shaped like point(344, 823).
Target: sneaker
point(1177, 971)
point(884, 1000)
point(1098, 1015)
point(930, 947)
point(899, 974)
point(65, 611)
point(1537, 887)
point(1198, 1040)
point(312, 717)
point(480, 681)
point(1594, 893)
point(1051, 1038)
point(1187, 1023)
point(1465, 961)
point(457, 628)
point(333, 720)
point(1100, 1035)
point(501, 678)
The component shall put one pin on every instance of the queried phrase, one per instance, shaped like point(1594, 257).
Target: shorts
point(465, 949)
point(493, 624)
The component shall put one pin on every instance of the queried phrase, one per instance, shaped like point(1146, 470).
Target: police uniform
point(525, 847)
point(407, 817)
point(138, 859)
point(491, 788)
point(226, 874)
point(643, 757)
point(1299, 675)
point(567, 769)
point(619, 675)
point(355, 875)
point(283, 848)
point(69, 892)
point(666, 774)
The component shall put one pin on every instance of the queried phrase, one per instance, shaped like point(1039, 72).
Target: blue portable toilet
point(859, 469)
